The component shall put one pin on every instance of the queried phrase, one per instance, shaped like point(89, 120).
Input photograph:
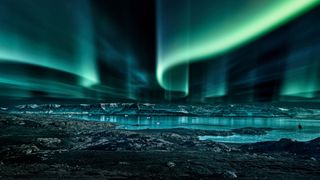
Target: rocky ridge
point(147, 109)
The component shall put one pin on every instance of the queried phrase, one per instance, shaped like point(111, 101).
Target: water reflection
point(284, 128)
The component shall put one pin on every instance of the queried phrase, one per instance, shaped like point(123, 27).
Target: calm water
point(284, 128)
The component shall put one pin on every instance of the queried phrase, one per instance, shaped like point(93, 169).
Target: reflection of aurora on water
point(281, 127)
point(203, 51)
point(160, 89)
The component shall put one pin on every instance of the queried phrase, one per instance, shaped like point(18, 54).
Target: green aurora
point(202, 30)
point(185, 50)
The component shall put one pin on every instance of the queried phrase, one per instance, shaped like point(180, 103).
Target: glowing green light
point(302, 80)
point(206, 37)
point(61, 41)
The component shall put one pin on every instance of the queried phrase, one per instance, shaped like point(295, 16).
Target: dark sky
point(106, 51)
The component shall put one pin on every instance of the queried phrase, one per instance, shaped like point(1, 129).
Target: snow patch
point(283, 109)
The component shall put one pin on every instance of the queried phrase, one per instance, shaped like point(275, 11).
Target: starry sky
point(159, 51)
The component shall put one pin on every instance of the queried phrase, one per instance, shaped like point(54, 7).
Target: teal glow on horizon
point(198, 31)
point(302, 79)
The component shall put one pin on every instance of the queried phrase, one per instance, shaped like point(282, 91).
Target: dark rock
point(171, 164)
point(84, 149)
point(251, 131)
point(124, 163)
point(25, 149)
point(21, 123)
point(230, 175)
point(315, 141)
point(310, 148)
point(49, 142)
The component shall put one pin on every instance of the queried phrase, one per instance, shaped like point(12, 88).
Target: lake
point(283, 128)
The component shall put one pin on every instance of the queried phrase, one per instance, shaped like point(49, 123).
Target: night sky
point(159, 51)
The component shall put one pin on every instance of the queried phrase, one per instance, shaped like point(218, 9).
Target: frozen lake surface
point(283, 127)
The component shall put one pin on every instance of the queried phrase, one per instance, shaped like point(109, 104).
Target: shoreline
point(34, 146)
point(187, 110)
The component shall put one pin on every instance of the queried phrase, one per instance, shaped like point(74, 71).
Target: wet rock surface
point(51, 147)
point(251, 131)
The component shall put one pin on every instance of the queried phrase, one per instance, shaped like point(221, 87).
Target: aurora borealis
point(229, 24)
point(160, 50)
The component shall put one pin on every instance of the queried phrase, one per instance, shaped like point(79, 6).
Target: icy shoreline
point(38, 146)
point(147, 109)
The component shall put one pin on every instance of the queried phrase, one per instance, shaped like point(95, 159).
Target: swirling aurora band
point(214, 35)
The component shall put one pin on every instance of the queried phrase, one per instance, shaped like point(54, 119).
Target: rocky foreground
point(43, 146)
